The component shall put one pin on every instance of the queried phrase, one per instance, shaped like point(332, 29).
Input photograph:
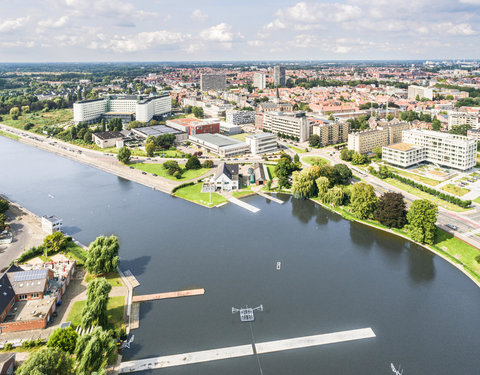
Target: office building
point(291, 124)
point(259, 81)
point(219, 144)
point(156, 130)
point(217, 82)
point(331, 132)
point(421, 92)
point(193, 125)
point(279, 76)
point(447, 150)
point(229, 129)
point(238, 117)
point(366, 141)
point(125, 107)
point(262, 143)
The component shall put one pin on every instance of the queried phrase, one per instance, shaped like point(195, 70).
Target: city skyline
point(71, 30)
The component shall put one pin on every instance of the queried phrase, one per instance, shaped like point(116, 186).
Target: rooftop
point(156, 130)
point(108, 135)
point(28, 310)
point(402, 146)
point(217, 139)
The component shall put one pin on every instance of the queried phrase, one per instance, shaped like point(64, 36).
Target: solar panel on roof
point(30, 275)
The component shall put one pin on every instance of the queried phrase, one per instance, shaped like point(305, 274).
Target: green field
point(415, 177)
point(317, 160)
point(423, 195)
point(241, 136)
point(297, 150)
point(8, 135)
point(455, 190)
point(271, 171)
point(192, 193)
point(477, 199)
point(40, 119)
point(162, 172)
point(115, 309)
point(76, 252)
point(243, 192)
point(113, 278)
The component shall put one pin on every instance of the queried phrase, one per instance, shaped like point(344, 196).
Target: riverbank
point(443, 253)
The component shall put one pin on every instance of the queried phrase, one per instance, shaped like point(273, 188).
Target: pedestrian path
point(268, 196)
point(245, 350)
point(242, 204)
point(180, 293)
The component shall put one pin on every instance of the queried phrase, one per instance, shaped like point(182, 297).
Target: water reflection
point(137, 265)
point(421, 265)
point(303, 210)
point(362, 235)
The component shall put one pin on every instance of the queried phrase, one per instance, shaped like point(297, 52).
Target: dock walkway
point(181, 293)
point(268, 196)
point(244, 350)
point(242, 204)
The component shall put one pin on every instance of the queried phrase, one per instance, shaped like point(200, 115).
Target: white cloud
point(459, 29)
point(199, 15)
point(107, 8)
point(13, 24)
point(54, 23)
point(255, 43)
point(219, 33)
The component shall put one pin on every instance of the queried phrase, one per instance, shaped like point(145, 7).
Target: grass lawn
point(315, 160)
point(271, 171)
point(243, 192)
point(76, 252)
point(423, 195)
point(192, 193)
point(40, 119)
point(170, 154)
point(455, 190)
point(159, 170)
point(477, 199)
point(458, 250)
point(415, 177)
point(113, 278)
point(8, 135)
point(297, 150)
point(114, 312)
point(241, 136)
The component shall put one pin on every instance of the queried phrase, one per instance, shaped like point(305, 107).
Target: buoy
point(279, 264)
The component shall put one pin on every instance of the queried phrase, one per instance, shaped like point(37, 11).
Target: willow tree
point(94, 351)
point(95, 310)
point(102, 255)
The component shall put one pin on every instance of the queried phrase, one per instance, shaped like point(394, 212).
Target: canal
point(335, 275)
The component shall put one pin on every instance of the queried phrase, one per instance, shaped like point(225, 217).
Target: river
point(335, 275)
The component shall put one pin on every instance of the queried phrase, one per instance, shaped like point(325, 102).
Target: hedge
point(182, 186)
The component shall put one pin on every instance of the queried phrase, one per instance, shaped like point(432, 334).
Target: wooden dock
point(131, 279)
point(181, 293)
point(135, 318)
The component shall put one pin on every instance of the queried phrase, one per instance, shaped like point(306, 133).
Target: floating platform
point(181, 293)
point(244, 350)
point(131, 279)
point(242, 204)
point(268, 196)
point(135, 319)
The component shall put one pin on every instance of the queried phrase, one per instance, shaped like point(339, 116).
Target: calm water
point(335, 275)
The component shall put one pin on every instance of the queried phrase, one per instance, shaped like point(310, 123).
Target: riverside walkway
point(244, 350)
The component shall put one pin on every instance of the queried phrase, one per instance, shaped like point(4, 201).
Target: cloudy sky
point(166, 30)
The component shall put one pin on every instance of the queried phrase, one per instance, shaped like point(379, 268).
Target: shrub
point(182, 186)
point(31, 253)
point(8, 346)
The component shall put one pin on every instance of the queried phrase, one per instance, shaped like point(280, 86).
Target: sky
point(230, 30)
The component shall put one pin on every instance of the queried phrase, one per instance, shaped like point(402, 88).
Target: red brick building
point(192, 125)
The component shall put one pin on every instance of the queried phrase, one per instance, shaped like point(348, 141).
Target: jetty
point(180, 293)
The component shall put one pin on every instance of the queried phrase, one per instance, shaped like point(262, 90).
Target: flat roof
point(30, 310)
point(156, 130)
point(217, 139)
point(402, 146)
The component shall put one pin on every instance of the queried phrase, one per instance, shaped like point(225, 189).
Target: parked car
point(131, 168)
point(144, 172)
point(154, 174)
point(451, 226)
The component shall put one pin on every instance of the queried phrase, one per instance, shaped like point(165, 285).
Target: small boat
point(50, 196)
point(279, 265)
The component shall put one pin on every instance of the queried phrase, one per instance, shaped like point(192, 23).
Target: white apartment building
point(421, 92)
point(366, 141)
point(259, 81)
point(262, 143)
point(143, 108)
point(448, 150)
point(51, 224)
point(292, 124)
point(456, 118)
point(238, 117)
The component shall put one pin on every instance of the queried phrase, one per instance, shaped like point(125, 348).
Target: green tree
point(4, 205)
point(304, 186)
point(94, 351)
point(208, 164)
point(124, 155)
point(47, 361)
point(193, 163)
point(64, 339)
point(436, 124)
point(150, 149)
point(3, 220)
point(136, 124)
point(391, 210)
point(346, 154)
point(102, 256)
point(55, 242)
point(322, 185)
point(14, 112)
point(460, 129)
point(172, 167)
point(115, 124)
point(378, 152)
point(343, 173)
point(95, 310)
point(198, 112)
point(421, 219)
point(296, 159)
point(363, 201)
point(165, 141)
point(334, 196)
point(359, 159)
point(383, 172)
point(314, 141)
